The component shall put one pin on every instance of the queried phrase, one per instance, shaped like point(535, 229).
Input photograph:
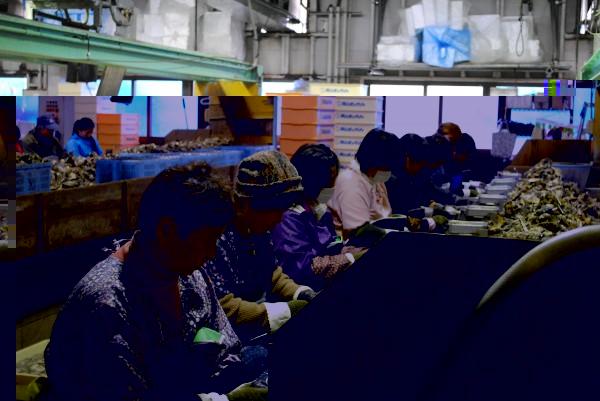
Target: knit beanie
point(267, 174)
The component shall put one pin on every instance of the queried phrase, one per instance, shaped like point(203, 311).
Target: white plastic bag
point(488, 42)
point(523, 47)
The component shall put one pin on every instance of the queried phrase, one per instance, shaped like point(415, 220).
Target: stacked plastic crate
point(306, 119)
point(118, 131)
point(355, 117)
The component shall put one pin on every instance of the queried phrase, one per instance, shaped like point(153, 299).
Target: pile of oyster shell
point(3, 228)
point(77, 171)
point(32, 366)
point(73, 172)
point(542, 206)
point(181, 146)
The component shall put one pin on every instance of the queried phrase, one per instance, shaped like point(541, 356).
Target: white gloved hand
point(278, 313)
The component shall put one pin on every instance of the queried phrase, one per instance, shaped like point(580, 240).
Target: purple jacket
point(303, 247)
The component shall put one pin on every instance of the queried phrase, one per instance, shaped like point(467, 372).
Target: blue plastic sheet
point(443, 47)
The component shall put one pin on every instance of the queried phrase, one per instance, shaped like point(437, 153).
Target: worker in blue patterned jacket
point(145, 323)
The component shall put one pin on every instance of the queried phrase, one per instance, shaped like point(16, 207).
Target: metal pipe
point(329, 42)
point(501, 12)
point(555, 28)
point(336, 49)
point(577, 29)
point(498, 7)
point(372, 32)
point(344, 32)
point(311, 67)
point(563, 23)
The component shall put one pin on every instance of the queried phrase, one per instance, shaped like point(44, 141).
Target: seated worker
point(41, 140)
point(306, 243)
point(460, 166)
point(410, 188)
point(407, 188)
point(136, 326)
point(451, 132)
point(251, 286)
point(82, 143)
point(440, 153)
point(360, 195)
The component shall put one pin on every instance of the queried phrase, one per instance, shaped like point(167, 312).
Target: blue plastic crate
point(216, 158)
point(108, 170)
point(33, 178)
point(140, 156)
point(247, 150)
point(131, 169)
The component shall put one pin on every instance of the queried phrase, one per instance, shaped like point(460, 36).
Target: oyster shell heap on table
point(3, 228)
point(181, 146)
point(74, 172)
point(32, 366)
point(542, 205)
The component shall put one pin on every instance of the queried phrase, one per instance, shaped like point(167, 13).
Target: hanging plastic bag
point(503, 142)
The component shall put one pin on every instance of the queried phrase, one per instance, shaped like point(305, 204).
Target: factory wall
point(476, 116)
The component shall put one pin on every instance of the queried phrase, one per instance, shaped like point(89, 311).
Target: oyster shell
point(542, 205)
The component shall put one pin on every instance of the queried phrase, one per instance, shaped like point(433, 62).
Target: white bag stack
point(525, 48)
point(488, 43)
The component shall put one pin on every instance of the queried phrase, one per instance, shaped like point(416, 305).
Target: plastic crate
point(131, 169)
point(575, 172)
point(216, 158)
point(108, 170)
point(247, 150)
point(33, 178)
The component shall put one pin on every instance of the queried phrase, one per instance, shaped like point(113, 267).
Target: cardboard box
point(111, 140)
point(118, 129)
point(118, 119)
point(313, 132)
point(347, 142)
point(290, 146)
point(361, 103)
point(308, 102)
point(354, 130)
point(346, 155)
point(302, 117)
point(358, 117)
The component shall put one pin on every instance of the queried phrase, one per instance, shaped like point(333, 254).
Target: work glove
point(296, 305)
point(248, 394)
point(441, 224)
point(366, 236)
point(414, 224)
point(356, 252)
point(306, 295)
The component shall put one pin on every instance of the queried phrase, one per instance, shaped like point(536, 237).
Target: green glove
point(366, 236)
point(441, 223)
point(296, 305)
point(248, 394)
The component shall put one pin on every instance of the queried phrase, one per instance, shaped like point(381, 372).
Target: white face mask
point(382, 176)
point(325, 195)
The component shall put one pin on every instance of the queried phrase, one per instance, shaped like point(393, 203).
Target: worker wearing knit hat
point(268, 180)
point(252, 289)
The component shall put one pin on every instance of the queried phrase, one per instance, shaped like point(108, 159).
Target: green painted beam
point(591, 70)
point(25, 40)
